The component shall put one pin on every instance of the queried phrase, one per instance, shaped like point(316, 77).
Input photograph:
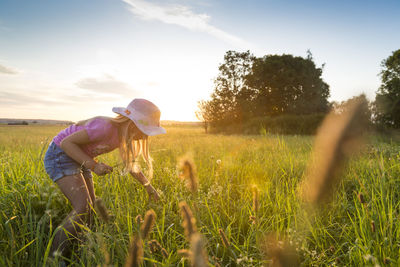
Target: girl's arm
point(139, 176)
point(71, 146)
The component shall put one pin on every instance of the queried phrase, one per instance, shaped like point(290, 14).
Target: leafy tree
point(288, 85)
point(231, 95)
point(387, 101)
point(248, 87)
point(203, 113)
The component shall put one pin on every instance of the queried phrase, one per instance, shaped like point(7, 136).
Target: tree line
point(287, 94)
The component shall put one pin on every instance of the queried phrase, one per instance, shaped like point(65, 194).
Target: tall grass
point(229, 169)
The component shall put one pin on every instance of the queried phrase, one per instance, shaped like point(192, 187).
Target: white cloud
point(7, 70)
point(106, 84)
point(184, 17)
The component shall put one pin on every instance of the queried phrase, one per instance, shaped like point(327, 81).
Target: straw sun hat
point(144, 114)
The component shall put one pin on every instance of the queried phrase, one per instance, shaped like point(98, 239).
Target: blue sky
point(76, 59)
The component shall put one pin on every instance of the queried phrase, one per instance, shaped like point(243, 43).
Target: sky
point(72, 60)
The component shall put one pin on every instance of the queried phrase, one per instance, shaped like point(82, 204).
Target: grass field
point(346, 233)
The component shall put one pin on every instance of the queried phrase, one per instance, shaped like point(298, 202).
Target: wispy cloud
point(7, 70)
point(106, 84)
point(182, 16)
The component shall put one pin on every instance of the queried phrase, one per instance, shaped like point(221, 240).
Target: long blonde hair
point(129, 148)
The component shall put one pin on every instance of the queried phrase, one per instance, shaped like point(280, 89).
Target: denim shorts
point(58, 164)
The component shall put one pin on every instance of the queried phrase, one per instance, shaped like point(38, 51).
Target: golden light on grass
point(199, 256)
point(337, 138)
point(224, 239)
point(135, 256)
point(189, 222)
point(255, 199)
point(101, 210)
point(149, 220)
point(187, 170)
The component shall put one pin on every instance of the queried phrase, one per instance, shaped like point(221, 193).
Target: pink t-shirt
point(103, 136)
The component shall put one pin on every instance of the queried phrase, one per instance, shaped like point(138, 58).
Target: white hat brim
point(135, 116)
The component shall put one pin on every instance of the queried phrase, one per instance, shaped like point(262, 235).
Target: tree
point(387, 100)
point(203, 114)
point(231, 94)
point(288, 85)
point(248, 87)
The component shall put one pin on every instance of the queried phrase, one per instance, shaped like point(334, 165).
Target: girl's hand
point(152, 193)
point(102, 169)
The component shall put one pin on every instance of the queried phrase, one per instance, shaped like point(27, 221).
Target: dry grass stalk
point(149, 220)
point(224, 239)
point(135, 256)
point(188, 172)
point(101, 210)
point(280, 253)
point(373, 226)
point(189, 222)
point(337, 137)
point(199, 256)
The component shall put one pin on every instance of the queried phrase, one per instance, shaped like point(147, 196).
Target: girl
point(69, 159)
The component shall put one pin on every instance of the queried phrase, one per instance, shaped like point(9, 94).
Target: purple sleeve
point(98, 129)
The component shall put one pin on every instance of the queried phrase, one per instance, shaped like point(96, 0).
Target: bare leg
point(75, 189)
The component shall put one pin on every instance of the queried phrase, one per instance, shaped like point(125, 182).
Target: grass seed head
point(164, 252)
point(149, 220)
point(224, 239)
point(135, 256)
point(199, 256)
point(184, 253)
point(189, 222)
point(154, 246)
point(373, 226)
point(280, 253)
point(188, 172)
point(139, 219)
point(337, 137)
point(101, 209)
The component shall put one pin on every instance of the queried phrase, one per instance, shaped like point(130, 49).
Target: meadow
point(360, 226)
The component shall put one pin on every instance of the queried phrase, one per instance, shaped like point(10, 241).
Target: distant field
point(346, 233)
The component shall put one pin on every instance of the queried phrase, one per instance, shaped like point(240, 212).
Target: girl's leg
point(75, 189)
